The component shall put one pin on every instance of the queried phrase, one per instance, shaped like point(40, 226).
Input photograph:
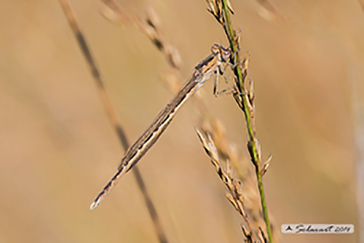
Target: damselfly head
point(224, 54)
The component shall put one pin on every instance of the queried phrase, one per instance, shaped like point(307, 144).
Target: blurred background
point(58, 148)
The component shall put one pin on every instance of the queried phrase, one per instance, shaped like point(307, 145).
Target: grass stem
point(112, 115)
point(255, 156)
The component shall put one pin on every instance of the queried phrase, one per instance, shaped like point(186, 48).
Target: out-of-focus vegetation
point(58, 148)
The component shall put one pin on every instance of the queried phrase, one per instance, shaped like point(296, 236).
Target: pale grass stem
point(112, 116)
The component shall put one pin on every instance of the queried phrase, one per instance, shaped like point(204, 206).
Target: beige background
point(57, 148)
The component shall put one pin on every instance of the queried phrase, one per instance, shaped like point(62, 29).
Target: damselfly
point(203, 71)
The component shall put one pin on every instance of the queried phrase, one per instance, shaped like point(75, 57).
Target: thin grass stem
point(255, 156)
point(112, 115)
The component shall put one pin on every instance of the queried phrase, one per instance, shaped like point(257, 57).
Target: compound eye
point(215, 49)
point(226, 55)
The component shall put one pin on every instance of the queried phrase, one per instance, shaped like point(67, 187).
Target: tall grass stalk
point(246, 103)
point(112, 115)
